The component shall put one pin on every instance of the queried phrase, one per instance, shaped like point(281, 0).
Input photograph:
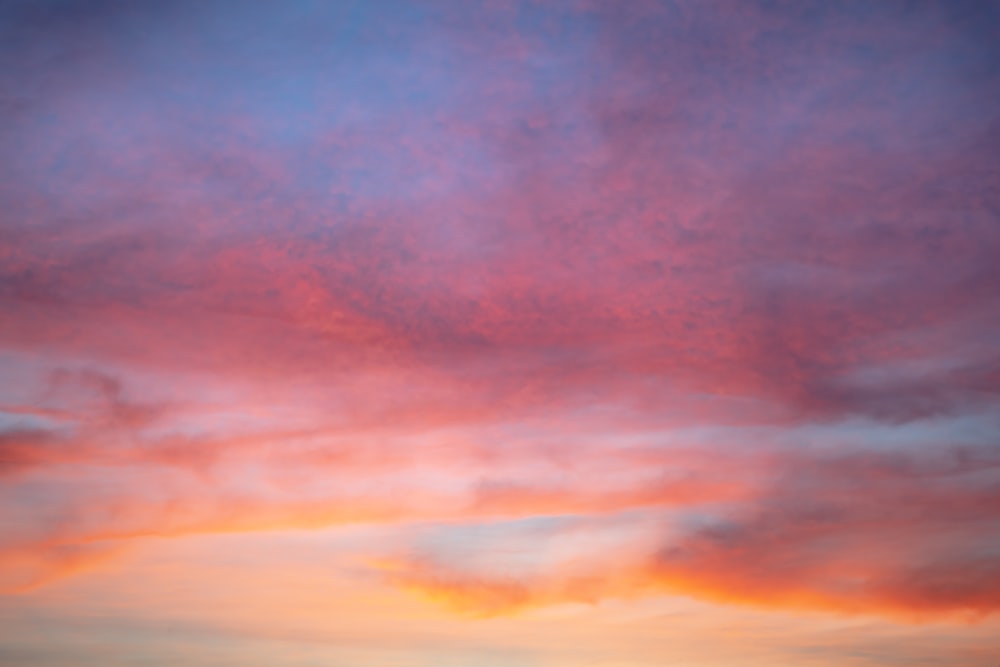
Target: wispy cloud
point(716, 281)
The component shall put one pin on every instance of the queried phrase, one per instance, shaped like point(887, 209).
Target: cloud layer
point(715, 283)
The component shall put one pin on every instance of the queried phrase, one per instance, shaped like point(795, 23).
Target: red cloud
point(602, 221)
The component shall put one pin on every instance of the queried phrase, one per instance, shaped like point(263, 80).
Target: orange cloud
point(915, 545)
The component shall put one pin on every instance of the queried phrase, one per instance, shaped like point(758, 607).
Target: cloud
point(769, 251)
point(911, 537)
point(26, 569)
point(470, 262)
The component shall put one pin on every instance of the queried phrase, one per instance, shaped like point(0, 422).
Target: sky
point(499, 333)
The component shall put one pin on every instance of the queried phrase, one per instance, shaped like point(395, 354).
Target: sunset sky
point(499, 333)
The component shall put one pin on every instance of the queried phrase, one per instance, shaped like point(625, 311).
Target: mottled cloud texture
point(643, 317)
